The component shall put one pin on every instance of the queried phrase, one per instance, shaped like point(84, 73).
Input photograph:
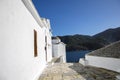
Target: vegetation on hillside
point(85, 42)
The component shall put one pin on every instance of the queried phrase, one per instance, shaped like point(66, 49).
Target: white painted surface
point(30, 6)
point(57, 40)
point(118, 77)
point(48, 41)
point(104, 62)
point(17, 61)
point(55, 50)
point(59, 49)
point(48, 44)
point(83, 61)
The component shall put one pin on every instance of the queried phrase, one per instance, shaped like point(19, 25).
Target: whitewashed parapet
point(83, 61)
point(104, 62)
point(118, 77)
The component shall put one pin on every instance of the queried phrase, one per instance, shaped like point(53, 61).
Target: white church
point(25, 41)
point(58, 50)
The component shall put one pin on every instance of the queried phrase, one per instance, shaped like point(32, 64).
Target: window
point(35, 44)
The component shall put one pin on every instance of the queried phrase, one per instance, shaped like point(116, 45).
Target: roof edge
point(31, 8)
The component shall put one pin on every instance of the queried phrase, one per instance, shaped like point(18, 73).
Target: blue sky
point(87, 17)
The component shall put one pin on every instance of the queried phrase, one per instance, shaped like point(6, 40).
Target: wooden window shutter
point(35, 44)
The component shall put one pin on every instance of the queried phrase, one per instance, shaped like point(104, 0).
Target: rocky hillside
point(82, 42)
point(86, 42)
point(112, 50)
point(110, 35)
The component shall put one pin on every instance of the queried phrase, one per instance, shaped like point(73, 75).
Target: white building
point(48, 39)
point(59, 49)
point(25, 41)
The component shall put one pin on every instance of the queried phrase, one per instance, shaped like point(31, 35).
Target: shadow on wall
point(58, 60)
point(93, 73)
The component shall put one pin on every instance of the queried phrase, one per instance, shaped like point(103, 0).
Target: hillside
point(86, 42)
point(82, 42)
point(112, 50)
point(110, 35)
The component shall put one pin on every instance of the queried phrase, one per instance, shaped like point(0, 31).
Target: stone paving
point(76, 71)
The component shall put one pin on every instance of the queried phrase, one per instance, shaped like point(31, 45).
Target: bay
point(74, 56)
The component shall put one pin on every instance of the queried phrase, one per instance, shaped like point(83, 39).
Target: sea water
point(74, 56)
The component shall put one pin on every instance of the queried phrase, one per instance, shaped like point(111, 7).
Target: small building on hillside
point(107, 57)
point(58, 49)
point(25, 41)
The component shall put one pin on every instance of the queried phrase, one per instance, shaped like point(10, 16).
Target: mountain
point(82, 42)
point(86, 42)
point(110, 35)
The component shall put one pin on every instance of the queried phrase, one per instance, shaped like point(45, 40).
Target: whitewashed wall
point(104, 62)
point(48, 34)
point(62, 50)
point(83, 61)
point(59, 50)
point(48, 44)
point(56, 40)
point(55, 50)
point(17, 61)
point(49, 48)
